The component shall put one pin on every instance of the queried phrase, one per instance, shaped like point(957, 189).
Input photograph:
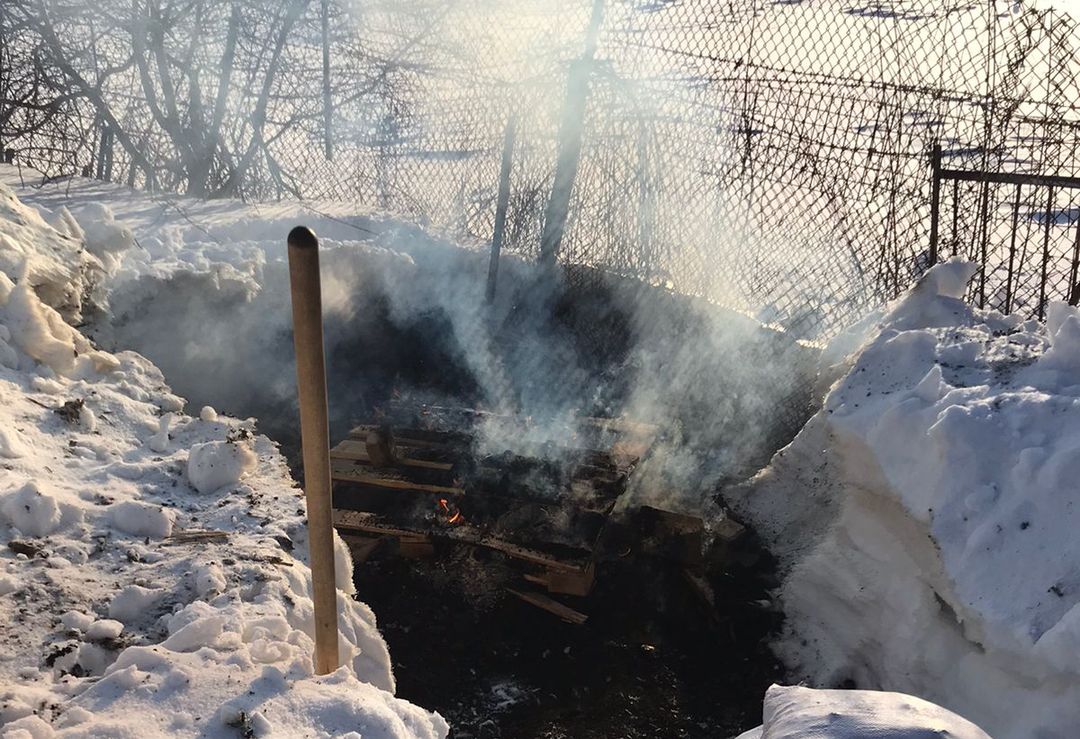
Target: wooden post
point(501, 205)
point(315, 439)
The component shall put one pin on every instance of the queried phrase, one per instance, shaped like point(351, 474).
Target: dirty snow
point(152, 578)
point(927, 516)
point(801, 712)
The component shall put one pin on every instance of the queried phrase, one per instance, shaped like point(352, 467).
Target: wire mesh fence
point(772, 156)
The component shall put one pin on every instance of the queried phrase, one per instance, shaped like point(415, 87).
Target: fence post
point(935, 200)
point(328, 111)
point(501, 205)
point(1046, 252)
point(570, 133)
point(314, 439)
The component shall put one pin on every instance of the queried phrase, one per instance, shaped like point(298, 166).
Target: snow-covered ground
point(153, 579)
point(927, 515)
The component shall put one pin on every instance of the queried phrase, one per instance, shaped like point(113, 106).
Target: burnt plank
point(418, 437)
point(356, 451)
point(383, 478)
point(373, 524)
point(566, 613)
point(566, 582)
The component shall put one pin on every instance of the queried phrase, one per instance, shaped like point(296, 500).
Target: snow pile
point(928, 514)
point(152, 576)
point(52, 260)
point(800, 713)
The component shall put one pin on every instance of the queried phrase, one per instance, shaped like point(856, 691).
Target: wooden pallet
point(383, 475)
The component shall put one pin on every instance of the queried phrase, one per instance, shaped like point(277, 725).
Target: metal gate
point(1022, 229)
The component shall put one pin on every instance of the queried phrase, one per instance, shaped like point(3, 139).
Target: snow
point(926, 516)
point(117, 619)
point(132, 603)
point(142, 519)
point(159, 442)
point(105, 628)
point(30, 511)
point(214, 464)
point(798, 712)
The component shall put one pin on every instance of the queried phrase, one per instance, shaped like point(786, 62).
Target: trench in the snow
point(653, 658)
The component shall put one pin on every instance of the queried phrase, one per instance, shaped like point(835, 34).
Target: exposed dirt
point(651, 661)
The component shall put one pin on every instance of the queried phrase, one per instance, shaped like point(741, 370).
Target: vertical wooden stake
point(315, 438)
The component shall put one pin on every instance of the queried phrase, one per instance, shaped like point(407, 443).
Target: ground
point(651, 661)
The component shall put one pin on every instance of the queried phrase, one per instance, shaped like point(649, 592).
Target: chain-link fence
point(773, 156)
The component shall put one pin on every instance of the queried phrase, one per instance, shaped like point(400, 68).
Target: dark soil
point(652, 661)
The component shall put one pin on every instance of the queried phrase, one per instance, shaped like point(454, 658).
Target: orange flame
point(452, 516)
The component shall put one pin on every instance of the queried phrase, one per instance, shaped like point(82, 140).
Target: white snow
point(117, 619)
point(927, 516)
point(214, 464)
point(134, 603)
point(159, 442)
point(11, 445)
point(139, 518)
point(31, 511)
point(105, 628)
point(799, 712)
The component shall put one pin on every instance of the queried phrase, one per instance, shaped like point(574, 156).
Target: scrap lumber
point(566, 582)
point(195, 535)
point(379, 447)
point(355, 451)
point(345, 472)
point(566, 613)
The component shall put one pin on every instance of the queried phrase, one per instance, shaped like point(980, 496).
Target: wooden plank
point(367, 522)
point(417, 437)
point(186, 537)
point(415, 547)
point(529, 555)
point(354, 451)
point(566, 613)
point(360, 547)
point(410, 546)
point(565, 582)
point(343, 473)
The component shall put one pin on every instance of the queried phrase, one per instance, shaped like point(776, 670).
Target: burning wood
point(426, 478)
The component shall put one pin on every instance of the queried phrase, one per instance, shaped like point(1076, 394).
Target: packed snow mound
point(41, 333)
point(927, 515)
point(804, 713)
point(54, 261)
point(138, 598)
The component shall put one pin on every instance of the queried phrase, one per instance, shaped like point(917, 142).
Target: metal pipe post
point(935, 201)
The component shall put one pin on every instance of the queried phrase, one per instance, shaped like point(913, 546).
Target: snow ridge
point(152, 580)
point(927, 514)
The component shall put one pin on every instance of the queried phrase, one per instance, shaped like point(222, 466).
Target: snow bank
point(54, 261)
point(132, 601)
point(927, 516)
